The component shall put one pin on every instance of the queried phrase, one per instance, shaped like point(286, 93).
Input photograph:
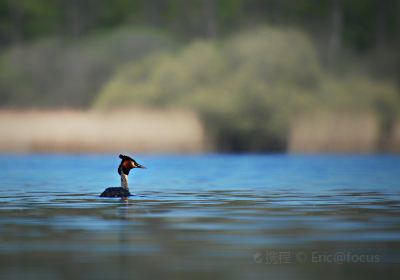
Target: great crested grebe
point(124, 167)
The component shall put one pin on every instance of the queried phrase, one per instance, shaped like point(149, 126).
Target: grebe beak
point(140, 166)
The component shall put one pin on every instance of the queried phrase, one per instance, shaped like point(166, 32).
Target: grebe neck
point(124, 181)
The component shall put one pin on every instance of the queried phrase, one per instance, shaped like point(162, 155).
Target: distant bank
point(119, 131)
point(344, 133)
point(176, 131)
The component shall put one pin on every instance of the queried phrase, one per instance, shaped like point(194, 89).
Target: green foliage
point(56, 73)
point(360, 94)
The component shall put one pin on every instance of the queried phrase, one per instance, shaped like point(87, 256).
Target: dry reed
point(139, 130)
point(334, 132)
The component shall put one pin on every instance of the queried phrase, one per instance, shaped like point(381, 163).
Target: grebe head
point(127, 164)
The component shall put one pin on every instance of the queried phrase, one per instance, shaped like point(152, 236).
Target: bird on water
point(124, 167)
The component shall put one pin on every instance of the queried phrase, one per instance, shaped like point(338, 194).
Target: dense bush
point(246, 88)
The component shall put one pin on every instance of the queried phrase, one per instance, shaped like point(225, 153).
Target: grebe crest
point(126, 165)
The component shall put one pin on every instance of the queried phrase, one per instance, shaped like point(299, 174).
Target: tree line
point(360, 24)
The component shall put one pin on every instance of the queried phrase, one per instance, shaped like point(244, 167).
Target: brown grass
point(394, 141)
point(138, 130)
point(334, 132)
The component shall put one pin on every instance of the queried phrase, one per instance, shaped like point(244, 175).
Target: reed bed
point(139, 130)
point(335, 132)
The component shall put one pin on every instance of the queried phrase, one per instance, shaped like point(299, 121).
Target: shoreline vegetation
point(251, 88)
point(175, 131)
point(261, 90)
point(67, 131)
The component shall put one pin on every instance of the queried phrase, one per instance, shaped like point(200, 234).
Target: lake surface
point(201, 217)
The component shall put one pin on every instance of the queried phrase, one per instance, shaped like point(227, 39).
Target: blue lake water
point(201, 217)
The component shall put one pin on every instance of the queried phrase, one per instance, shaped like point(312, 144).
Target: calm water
point(201, 217)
